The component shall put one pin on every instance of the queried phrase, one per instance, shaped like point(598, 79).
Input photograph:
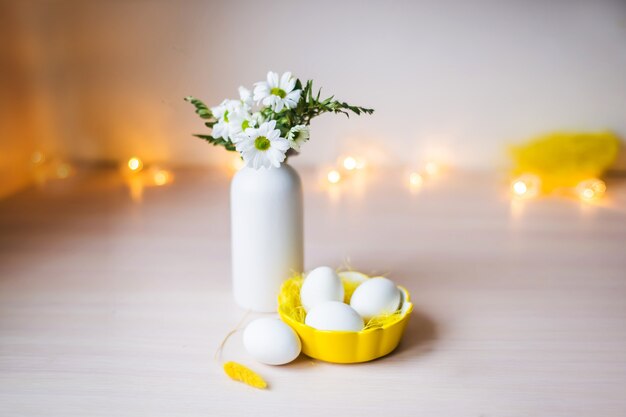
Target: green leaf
point(201, 109)
point(218, 142)
point(309, 86)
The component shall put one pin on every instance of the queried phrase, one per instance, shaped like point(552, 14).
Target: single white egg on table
point(320, 285)
point(270, 341)
point(334, 315)
point(374, 297)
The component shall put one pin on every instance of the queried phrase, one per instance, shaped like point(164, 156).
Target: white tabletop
point(114, 306)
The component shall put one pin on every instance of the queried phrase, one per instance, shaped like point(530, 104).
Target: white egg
point(270, 341)
point(334, 315)
point(374, 297)
point(320, 285)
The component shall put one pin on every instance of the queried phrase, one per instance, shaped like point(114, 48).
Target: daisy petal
point(284, 80)
point(290, 85)
point(272, 79)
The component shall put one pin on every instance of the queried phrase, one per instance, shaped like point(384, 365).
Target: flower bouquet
point(270, 123)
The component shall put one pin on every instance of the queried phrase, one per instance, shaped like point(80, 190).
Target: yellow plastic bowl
point(349, 347)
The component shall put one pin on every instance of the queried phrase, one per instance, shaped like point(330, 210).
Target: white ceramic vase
point(267, 234)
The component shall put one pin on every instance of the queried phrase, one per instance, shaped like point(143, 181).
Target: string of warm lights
point(591, 189)
point(528, 186)
point(138, 176)
point(45, 167)
point(151, 176)
point(350, 164)
point(525, 186)
point(417, 178)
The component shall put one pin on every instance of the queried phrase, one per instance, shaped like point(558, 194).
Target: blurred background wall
point(453, 80)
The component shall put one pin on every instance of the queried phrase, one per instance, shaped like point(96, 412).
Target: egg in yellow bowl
point(380, 336)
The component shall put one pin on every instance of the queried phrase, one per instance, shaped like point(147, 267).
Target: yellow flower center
point(262, 143)
point(278, 92)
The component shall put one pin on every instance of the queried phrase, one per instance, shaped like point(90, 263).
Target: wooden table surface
point(113, 303)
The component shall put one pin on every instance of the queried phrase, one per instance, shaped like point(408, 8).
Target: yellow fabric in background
point(563, 159)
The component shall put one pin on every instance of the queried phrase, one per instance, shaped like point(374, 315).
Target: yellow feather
point(563, 159)
point(238, 372)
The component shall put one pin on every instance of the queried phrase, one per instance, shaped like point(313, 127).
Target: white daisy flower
point(258, 118)
point(225, 107)
point(221, 128)
point(297, 135)
point(238, 122)
point(246, 97)
point(277, 93)
point(263, 147)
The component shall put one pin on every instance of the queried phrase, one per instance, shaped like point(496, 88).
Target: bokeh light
point(526, 186)
point(333, 176)
point(135, 164)
point(591, 189)
point(350, 163)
